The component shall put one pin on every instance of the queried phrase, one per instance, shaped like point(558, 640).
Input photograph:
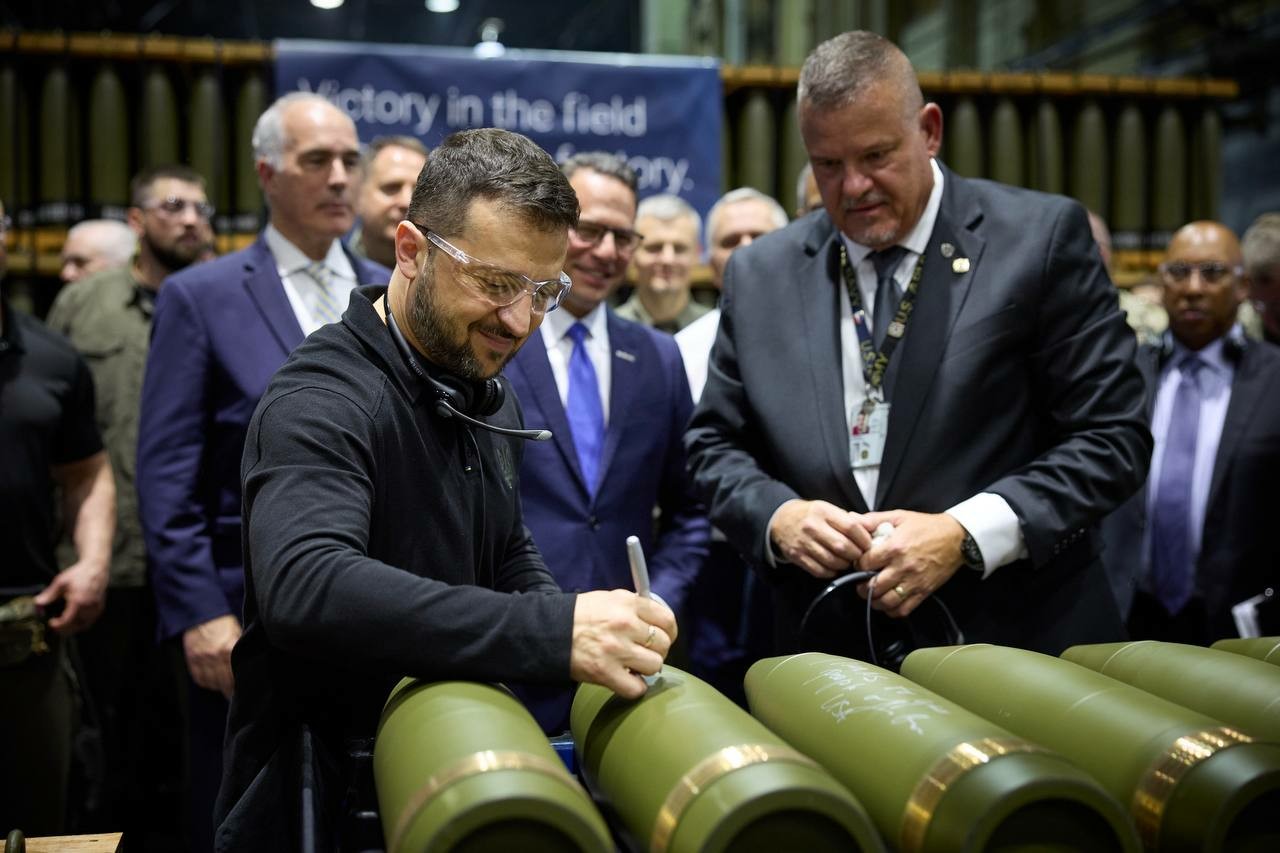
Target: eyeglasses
point(593, 232)
point(1178, 273)
point(502, 287)
point(174, 206)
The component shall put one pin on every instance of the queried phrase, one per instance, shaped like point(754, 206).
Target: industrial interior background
point(1153, 112)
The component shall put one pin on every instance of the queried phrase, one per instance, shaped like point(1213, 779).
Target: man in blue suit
point(616, 398)
point(220, 331)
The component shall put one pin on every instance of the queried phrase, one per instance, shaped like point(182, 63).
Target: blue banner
point(662, 114)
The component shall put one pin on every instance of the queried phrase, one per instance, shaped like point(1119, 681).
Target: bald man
point(1198, 534)
point(96, 245)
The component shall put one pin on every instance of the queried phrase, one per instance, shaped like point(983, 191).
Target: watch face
point(970, 552)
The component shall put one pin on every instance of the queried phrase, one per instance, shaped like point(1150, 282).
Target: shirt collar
point(917, 240)
point(556, 324)
point(290, 259)
point(1213, 354)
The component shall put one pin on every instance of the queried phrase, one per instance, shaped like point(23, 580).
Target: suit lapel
point(818, 297)
point(266, 291)
point(627, 374)
point(536, 368)
point(1246, 392)
point(942, 293)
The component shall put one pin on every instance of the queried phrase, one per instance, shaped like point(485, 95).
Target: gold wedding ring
point(648, 638)
point(902, 593)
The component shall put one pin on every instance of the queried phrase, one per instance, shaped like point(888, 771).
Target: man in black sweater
point(383, 530)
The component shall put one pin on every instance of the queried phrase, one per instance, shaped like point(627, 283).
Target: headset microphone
point(450, 396)
point(447, 411)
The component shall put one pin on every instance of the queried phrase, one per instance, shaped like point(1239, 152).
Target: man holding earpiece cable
point(383, 528)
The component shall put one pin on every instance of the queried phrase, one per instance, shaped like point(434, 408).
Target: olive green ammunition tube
point(933, 776)
point(1007, 147)
point(757, 142)
point(461, 766)
point(159, 137)
point(1169, 184)
point(1089, 160)
point(1190, 781)
point(1262, 648)
point(1240, 691)
point(687, 770)
point(1130, 209)
point(964, 139)
point(1045, 149)
point(109, 151)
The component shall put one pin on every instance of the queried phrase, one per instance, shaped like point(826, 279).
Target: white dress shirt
point(695, 342)
point(555, 336)
point(291, 265)
point(1215, 396)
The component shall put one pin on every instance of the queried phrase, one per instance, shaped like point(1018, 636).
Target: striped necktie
point(322, 298)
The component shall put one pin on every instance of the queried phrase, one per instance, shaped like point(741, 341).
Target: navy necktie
point(1172, 570)
point(887, 294)
point(584, 410)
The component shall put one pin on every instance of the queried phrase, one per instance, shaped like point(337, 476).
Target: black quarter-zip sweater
point(381, 541)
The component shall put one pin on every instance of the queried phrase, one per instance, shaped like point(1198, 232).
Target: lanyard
point(876, 362)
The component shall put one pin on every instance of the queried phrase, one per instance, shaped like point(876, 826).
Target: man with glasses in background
point(221, 329)
point(107, 317)
point(382, 515)
point(615, 397)
point(1199, 535)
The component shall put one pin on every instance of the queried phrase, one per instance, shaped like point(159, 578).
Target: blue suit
point(220, 331)
point(583, 537)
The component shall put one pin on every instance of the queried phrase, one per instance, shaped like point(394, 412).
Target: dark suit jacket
point(583, 538)
point(220, 331)
point(1239, 552)
point(1015, 377)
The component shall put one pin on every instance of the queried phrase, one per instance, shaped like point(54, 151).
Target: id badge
point(867, 434)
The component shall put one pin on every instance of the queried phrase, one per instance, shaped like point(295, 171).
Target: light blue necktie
point(584, 411)
point(1172, 570)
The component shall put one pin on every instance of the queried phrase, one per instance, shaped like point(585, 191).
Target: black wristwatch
point(970, 553)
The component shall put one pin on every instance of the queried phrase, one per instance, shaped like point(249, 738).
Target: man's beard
point(176, 257)
point(433, 334)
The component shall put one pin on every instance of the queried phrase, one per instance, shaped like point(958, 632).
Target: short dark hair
point(375, 147)
point(142, 182)
point(843, 67)
point(491, 164)
point(606, 164)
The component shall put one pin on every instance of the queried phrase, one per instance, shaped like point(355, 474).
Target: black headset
point(459, 398)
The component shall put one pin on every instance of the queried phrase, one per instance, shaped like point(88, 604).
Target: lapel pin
point(947, 250)
point(960, 266)
point(624, 355)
